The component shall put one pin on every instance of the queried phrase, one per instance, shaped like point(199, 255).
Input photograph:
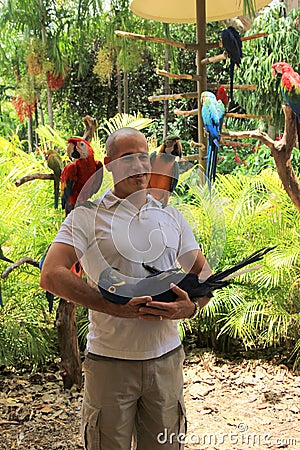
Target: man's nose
point(138, 164)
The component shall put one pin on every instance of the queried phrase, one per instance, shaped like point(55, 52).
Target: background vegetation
point(102, 75)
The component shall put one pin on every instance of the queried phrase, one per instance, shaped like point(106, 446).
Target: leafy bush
point(261, 308)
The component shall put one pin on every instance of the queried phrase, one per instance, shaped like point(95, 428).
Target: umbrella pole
point(201, 70)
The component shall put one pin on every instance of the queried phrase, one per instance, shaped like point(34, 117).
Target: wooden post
point(201, 69)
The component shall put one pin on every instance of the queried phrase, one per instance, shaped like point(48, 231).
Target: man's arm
point(57, 278)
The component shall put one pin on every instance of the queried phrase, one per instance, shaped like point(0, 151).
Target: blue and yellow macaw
point(213, 112)
point(290, 88)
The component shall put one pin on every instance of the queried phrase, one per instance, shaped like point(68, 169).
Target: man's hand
point(130, 310)
point(181, 308)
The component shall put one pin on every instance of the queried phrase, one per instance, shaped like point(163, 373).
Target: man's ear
point(107, 162)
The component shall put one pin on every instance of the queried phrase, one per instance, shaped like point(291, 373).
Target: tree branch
point(281, 151)
point(25, 260)
point(34, 176)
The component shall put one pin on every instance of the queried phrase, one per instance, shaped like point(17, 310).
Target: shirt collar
point(108, 200)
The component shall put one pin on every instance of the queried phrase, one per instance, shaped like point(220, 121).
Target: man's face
point(130, 165)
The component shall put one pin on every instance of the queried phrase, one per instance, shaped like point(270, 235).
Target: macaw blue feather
point(213, 112)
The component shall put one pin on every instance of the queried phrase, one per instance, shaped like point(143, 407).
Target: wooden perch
point(213, 59)
point(199, 145)
point(25, 260)
point(194, 157)
point(158, 40)
point(158, 98)
point(235, 143)
point(182, 76)
point(34, 176)
point(247, 116)
point(246, 38)
point(91, 126)
point(241, 87)
point(192, 112)
point(281, 151)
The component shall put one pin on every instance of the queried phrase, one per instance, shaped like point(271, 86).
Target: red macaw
point(164, 168)
point(76, 174)
point(290, 88)
point(222, 95)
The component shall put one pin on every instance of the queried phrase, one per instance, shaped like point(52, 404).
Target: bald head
point(112, 142)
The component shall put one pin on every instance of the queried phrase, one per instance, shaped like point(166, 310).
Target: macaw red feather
point(76, 174)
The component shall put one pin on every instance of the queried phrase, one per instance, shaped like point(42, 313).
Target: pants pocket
point(91, 427)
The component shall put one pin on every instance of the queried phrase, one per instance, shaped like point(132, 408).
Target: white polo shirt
point(112, 232)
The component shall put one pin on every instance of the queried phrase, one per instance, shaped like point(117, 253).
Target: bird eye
point(81, 144)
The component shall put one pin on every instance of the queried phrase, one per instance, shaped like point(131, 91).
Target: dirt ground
point(232, 403)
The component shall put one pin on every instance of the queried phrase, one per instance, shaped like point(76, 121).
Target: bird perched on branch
point(290, 88)
point(232, 43)
point(115, 288)
point(213, 112)
point(55, 163)
point(76, 174)
point(164, 168)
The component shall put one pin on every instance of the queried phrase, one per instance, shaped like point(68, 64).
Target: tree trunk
point(166, 92)
point(281, 152)
point(29, 132)
point(125, 94)
point(68, 344)
point(40, 108)
point(49, 102)
point(119, 90)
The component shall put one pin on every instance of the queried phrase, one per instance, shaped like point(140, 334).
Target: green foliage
point(261, 308)
point(281, 44)
point(27, 226)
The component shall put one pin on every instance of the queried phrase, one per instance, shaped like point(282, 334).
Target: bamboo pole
point(211, 45)
point(158, 40)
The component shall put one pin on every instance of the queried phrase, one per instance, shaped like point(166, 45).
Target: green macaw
point(55, 163)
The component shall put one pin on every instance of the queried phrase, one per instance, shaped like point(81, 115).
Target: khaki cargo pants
point(134, 404)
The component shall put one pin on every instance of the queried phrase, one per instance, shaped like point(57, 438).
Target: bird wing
point(290, 83)
point(68, 178)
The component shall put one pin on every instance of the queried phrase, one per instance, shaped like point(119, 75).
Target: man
point(133, 368)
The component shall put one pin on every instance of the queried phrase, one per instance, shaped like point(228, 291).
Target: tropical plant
point(281, 44)
point(261, 308)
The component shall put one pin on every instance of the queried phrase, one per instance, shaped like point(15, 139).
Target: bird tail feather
point(254, 257)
